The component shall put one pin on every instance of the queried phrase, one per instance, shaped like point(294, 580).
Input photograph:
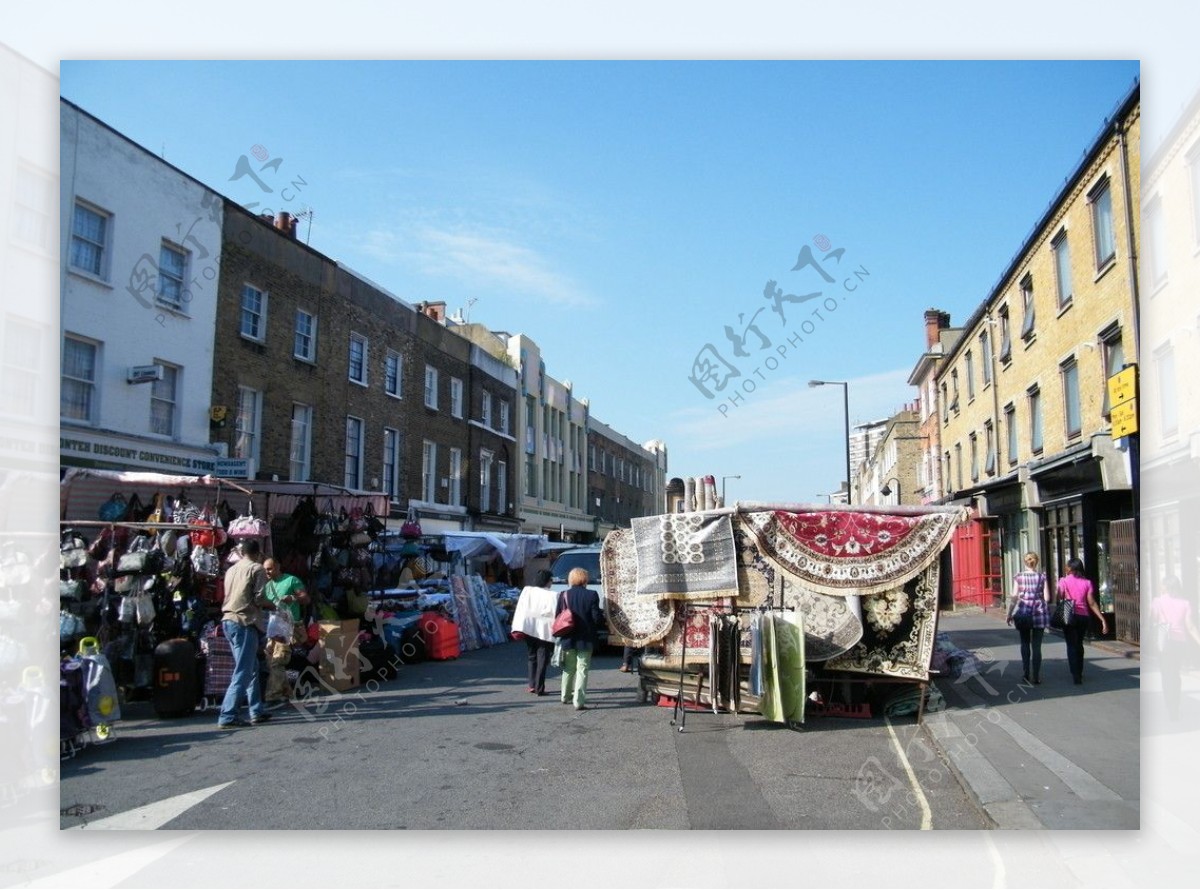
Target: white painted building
point(140, 251)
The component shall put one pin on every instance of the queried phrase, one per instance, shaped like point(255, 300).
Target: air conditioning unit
point(144, 374)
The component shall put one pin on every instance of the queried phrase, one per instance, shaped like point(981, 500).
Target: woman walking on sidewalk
point(1173, 625)
point(1028, 611)
point(1078, 589)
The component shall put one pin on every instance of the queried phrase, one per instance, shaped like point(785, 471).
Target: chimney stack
point(936, 321)
point(286, 223)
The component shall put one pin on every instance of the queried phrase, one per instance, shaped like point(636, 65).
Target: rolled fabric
point(689, 494)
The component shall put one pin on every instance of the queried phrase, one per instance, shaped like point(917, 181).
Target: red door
point(974, 565)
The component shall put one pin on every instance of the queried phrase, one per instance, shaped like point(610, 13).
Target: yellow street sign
point(1124, 418)
point(1122, 386)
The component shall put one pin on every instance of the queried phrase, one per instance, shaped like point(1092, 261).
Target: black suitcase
point(174, 685)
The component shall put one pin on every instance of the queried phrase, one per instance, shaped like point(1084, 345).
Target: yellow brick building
point(1025, 435)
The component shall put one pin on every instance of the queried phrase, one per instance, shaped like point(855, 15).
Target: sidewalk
point(1055, 755)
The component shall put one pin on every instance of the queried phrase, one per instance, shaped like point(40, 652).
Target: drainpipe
point(1131, 250)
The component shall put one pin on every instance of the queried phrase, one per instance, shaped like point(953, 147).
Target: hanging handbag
point(1063, 615)
point(70, 590)
point(411, 528)
point(114, 509)
point(249, 525)
point(564, 621)
point(73, 551)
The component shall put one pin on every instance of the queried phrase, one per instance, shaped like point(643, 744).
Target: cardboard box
point(339, 654)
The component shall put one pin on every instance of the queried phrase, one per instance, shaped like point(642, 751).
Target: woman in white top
point(532, 620)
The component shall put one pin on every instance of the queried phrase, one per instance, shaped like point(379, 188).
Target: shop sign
point(131, 453)
point(233, 467)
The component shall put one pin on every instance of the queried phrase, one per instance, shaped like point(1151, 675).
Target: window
point(354, 453)
point(358, 358)
point(431, 393)
point(974, 440)
point(89, 240)
point(456, 397)
point(503, 427)
point(985, 357)
point(1102, 224)
point(1035, 420)
point(485, 409)
point(392, 373)
point(531, 486)
point(428, 471)
point(970, 376)
point(1010, 430)
point(1113, 355)
point(1062, 269)
point(1069, 370)
point(1005, 335)
point(246, 423)
point(254, 313)
point(502, 486)
point(1027, 327)
point(172, 273)
point(1168, 406)
point(35, 207)
point(954, 390)
point(305, 346)
point(485, 481)
point(391, 463)
point(958, 465)
point(455, 477)
point(301, 447)
point(1154, 244)
point(989, 445)
point(22, 367)
point(1193, 162)
point(945, 405)
point(946, 472)
point(162, 401)
point(77, 397)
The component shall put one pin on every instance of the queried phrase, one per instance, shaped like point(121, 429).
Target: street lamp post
point(846, 408)
point(723, 478)
point(886, 491)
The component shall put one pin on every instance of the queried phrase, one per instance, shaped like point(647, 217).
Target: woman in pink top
point(1079, 590)
point(1171, 615)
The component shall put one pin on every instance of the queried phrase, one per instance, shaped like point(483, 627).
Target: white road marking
point(926, 814)
point(153, 815)
point(112, 871)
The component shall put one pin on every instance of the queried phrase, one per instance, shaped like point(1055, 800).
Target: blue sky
point(622, 214)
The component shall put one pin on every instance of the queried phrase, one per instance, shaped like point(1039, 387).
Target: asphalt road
point(462, 745)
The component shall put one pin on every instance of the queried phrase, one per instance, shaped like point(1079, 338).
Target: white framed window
point(300, 462)
point(502, 486)
point(1029, 325)
point(358, 358)
point(1035, 419)
point(77, 395)
point(23, 376)
point(392, 370)
point(1010, 431)
point(431, 386)
point(354, 452)
point(1100, 199)
point(172, 273)
point(1069, 370)
point(1168, 403)
point(970, 359)
point(304, 346)
point(91, 229)
point(391, 463)
point(485, 409)
point(247, 424)
point(1154, 243)
point(456, 397)
point(428, 471)
point(485, 481)
point(35, 207)
point(455, 477)
point(254, 313)
point(503, 427)
point(162, 401)
point(1062, 269)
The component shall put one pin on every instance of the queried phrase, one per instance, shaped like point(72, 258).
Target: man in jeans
point(244, 594)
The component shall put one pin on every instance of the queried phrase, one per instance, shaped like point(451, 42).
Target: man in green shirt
point(287, 594)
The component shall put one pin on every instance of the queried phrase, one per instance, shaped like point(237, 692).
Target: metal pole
point(846, 407)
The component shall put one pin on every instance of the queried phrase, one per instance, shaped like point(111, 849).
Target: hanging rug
point(685, 556)
point(848, 552)
point(638, 620)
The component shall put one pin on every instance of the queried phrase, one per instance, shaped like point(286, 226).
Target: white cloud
point(476, 259)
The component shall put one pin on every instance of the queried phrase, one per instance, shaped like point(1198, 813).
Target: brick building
point(940, 337)
point(621, 478)
point(890, 473)
point(1025, 433)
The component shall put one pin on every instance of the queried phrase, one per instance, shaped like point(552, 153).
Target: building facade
point(141, 253)
point(624, 479)
point(939, 338)
point(1026, 438)
point(891, 472)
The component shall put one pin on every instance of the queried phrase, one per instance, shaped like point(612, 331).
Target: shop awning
point(514, 549)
